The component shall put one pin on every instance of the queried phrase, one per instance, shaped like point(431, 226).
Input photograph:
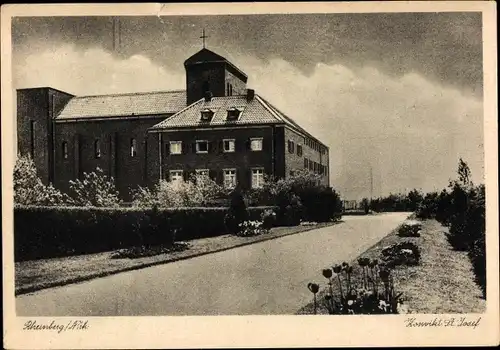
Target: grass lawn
point(45, 273)
point(443, 282)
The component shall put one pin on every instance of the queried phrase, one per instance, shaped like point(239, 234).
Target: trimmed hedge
point(47, 232)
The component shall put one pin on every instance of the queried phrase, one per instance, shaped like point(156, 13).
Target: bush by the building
point(46, 232)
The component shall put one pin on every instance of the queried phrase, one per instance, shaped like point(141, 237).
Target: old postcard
point(250, 175)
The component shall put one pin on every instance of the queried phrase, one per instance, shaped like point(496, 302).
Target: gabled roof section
point(204, 55)
point(252, 112)
point(207, 56)
point(124, 105)
point(287, 120)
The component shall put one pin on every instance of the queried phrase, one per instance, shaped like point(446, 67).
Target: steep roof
point(254, 111)
point(207, 56)
point(116, 105)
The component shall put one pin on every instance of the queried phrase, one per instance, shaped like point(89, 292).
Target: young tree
point(96, 189)
point(29, 188)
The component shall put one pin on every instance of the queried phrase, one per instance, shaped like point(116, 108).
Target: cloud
point(408, 129)
point(93, 71)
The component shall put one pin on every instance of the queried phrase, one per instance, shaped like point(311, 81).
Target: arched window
point(97, 148)
point(65, 150)
point(133, 147)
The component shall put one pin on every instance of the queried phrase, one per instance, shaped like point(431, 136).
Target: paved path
point(264, 278)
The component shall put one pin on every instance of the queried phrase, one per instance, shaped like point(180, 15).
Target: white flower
point(402, 308)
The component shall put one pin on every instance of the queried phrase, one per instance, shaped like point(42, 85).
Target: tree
point(29, 188)
point(464, 174)
point(96, 189)
point(365, 204)
point(414, 198)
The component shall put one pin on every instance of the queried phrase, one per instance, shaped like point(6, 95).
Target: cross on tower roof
point(203, 36)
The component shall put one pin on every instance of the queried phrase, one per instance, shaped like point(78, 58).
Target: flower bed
point(371, 293)
point(410, 228)
point(404, 253)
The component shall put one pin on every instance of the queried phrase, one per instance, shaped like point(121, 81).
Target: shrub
point(478, 259)
point(46, 232)
point(365, 204)
point(404, 253)
point(237, 213)
point(144, 251)
point(410, 229)
point(96, 190)
point(29, 189)
point(196, 192)
point(300, 198)
point(250, 228)
point(268, 218)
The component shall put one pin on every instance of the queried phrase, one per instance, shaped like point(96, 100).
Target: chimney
point(208, 96)
point(250, 94)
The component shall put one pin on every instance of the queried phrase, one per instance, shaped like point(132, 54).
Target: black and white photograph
point(309, 164)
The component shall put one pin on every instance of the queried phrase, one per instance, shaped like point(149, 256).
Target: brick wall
point(243, 159)
point(238, 86)
point(197, 75)
point(35, 110)
point(295, 162)
point(115, 146)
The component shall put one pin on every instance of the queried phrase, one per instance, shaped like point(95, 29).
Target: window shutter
point(210, 146)
point(194, 147)
point(248, 145)
point(167, 148)
point(221, 146)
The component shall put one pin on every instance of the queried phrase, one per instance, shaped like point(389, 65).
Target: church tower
point(210, 73)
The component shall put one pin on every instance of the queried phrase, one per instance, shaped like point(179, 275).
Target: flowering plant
point(251, 228)
point(404, 253)
point(410, 229)
point(372, 293)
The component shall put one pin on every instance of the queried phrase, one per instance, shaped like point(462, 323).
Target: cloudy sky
point(398, 93)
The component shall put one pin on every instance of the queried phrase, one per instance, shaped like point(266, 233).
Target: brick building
point(216, 127)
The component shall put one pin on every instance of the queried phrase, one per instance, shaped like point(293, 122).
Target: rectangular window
point(311, 165)
point(291, 146)
point(207, 115)
point(32, 141)
point(65, 150)
point(230, 178)
point(175, 147)
point(306, 163)
point(202, 146)
point(257, 178)
point(176, 175)
point(233, 114)
point(133, 147)
point(229, 145)
point(256, 144)
point(299, 150)
point(97, 149)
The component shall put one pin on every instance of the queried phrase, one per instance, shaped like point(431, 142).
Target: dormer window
point(207, 115)
point(233, 113)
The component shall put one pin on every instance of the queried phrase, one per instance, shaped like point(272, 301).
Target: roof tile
point(147, 103)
